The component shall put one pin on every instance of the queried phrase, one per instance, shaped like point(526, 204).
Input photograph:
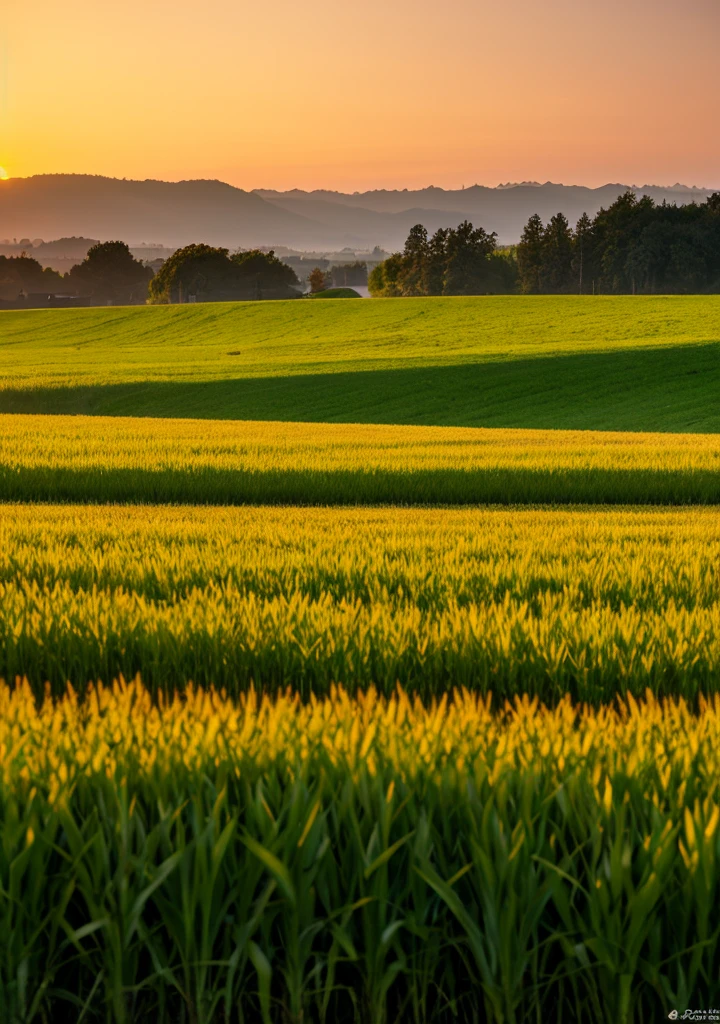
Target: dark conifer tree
point(557, 255)
point(437, 261)
point(468, 250)
point(415, 262)
point(582, 262)
point(530, 255)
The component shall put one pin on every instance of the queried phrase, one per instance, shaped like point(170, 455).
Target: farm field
point(216, 462)
point(361, 662)
point(356, 859)
point(637, 363)
point(592, 602)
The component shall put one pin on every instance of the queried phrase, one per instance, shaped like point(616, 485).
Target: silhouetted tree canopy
point(468, 267)
point(210, 274)
point(194, 269)
point(530, 255)
point(384, 279)
point(556, 256)
point(110, 273)
point(263, 273)
point(632, 247)
point(24, 274)
point(455, 261)
point(346, 275)
point(582, 265)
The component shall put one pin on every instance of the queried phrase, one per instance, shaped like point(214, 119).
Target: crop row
point(359, 860)
point(222, 462)
point(589, 602)
point(645, 558)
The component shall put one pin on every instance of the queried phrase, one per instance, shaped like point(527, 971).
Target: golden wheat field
point(358, 857)
point(224, 462)
point(589, 602)
point(108, 443)
point(389, 754)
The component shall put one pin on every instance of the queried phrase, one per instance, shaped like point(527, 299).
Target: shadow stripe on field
point(649, 389)
point(505, 486)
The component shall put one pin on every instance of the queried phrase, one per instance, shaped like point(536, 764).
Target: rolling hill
point(609, 363)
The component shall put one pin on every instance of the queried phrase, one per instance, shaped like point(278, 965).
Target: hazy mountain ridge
point(504, 210)
point(176, 213)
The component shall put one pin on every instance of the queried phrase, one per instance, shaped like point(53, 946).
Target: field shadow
point(422, 487)
point(652, 389)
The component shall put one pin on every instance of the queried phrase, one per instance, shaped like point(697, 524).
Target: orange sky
point(387, 93)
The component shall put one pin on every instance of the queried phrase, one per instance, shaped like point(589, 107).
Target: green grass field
point(380, 764)
point(578, 363)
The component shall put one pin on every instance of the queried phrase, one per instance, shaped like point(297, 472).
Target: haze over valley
point(174, 214)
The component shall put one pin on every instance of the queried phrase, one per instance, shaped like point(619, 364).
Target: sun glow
point(3, 174)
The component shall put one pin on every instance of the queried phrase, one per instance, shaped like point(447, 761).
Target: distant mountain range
point(176, 213)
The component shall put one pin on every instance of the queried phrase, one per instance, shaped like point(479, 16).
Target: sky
point(382, 94)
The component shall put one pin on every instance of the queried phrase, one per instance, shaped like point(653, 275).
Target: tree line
point(454, 261)
point(110, 274)
point(207, 273)
point(23, 274)
point(633, 247)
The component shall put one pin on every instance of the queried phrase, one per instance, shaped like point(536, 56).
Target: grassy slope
point(609, 363)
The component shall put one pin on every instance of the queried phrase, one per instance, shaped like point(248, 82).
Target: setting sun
point(3, 174)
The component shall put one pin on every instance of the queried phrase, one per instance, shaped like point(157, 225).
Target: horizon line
point(500, 187)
